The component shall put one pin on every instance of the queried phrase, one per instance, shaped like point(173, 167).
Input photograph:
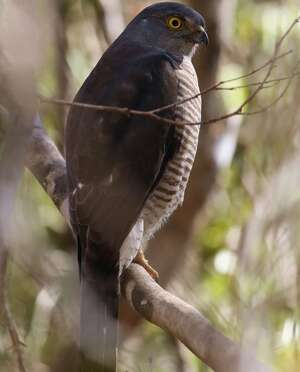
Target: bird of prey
point(128, 173)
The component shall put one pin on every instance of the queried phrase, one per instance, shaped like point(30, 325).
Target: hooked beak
point(200, 36)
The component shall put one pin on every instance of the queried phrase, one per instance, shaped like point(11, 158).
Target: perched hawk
point(127, 174)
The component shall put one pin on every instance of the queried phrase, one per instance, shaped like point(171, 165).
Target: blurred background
point(232, 250)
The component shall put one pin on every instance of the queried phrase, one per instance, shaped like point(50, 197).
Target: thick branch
point(145, 296)
point(49, 167)
point(185, 323)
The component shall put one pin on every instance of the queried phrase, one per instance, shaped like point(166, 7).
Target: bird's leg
point(140, 259)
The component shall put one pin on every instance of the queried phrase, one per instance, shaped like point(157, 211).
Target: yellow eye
point(174, 23)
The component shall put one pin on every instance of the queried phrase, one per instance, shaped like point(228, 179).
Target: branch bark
point(185, 323)
point(48, 166)
point(143, 294)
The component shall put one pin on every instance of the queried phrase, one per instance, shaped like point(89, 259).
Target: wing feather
point(114, 161)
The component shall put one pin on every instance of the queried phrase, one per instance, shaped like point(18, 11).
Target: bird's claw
point(140, 259)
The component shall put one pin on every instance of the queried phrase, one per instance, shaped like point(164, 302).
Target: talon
point(140, 259)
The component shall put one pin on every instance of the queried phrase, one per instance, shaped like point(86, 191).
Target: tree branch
point(49, 167)
point(145, 296)
point(153, 114)
point(185, 323)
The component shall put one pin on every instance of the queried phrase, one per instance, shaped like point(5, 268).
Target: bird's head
point(174, 27)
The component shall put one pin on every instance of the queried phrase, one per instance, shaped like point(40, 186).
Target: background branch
point(6, 314)
point(19, 66)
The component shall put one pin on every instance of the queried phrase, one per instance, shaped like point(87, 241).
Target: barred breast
point(169, 193)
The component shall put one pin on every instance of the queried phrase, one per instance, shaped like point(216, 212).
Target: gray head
point(174, 27)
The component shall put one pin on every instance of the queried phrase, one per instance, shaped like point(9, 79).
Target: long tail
point(99, 317)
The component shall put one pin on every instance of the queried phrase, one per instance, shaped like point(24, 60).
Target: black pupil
point(175, 23)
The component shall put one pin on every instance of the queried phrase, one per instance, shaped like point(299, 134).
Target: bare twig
point(248, 74)
point(5, 311)
point(271, 64)
point(153, 114)
point(277, 99)
point(223, 82)
point(268, 84)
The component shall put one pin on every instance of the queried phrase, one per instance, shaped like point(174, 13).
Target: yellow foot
point(140, 259)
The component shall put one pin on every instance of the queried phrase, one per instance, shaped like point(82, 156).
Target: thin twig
point(271, 64)
point(223, 82)
point(275, 101)
point(8, 318)
point(153, 114)
point(251, 73)
point(268, 84)
point(121, 110)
